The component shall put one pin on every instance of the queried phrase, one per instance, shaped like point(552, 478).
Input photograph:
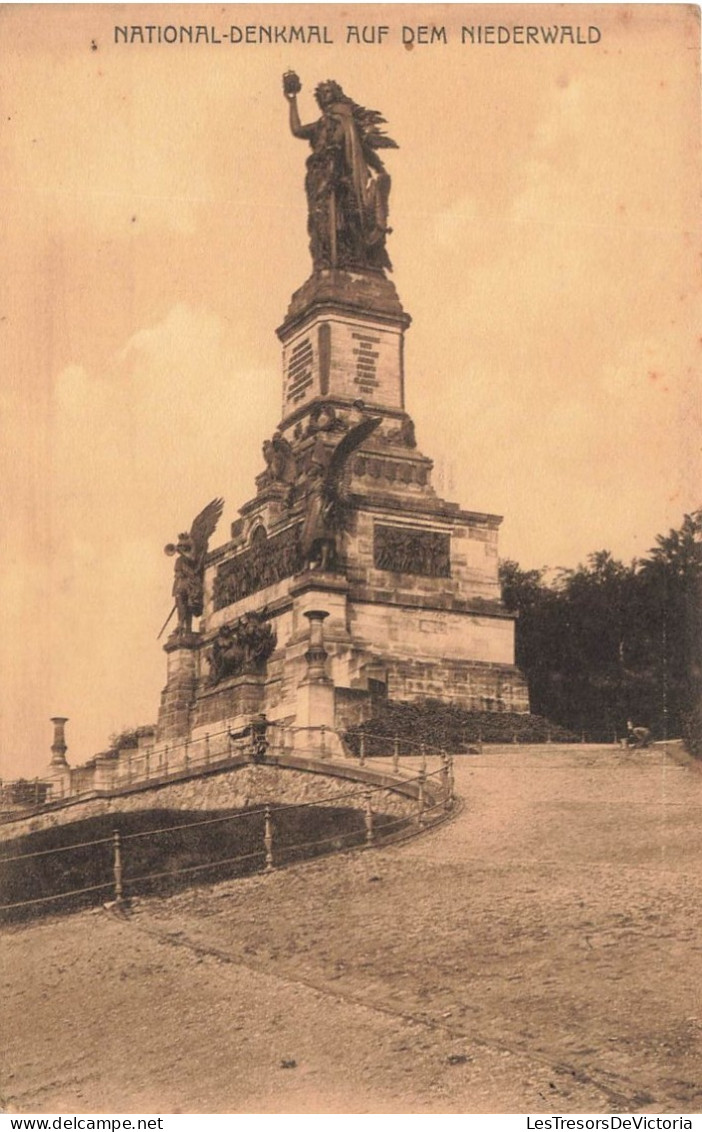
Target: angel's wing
point(345, 448)
point(204, 524)
point(370, 123)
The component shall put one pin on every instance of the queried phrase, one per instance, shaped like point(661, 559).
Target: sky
point(545, 214)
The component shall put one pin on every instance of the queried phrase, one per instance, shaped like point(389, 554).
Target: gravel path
point(540, 952)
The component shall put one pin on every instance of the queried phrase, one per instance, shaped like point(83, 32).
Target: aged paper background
point(545, 210)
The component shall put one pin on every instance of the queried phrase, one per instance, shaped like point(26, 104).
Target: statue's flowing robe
point(346, 221)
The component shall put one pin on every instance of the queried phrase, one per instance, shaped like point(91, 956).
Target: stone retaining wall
point(235, 788)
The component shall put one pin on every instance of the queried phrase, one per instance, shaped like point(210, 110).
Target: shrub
point(437, 724)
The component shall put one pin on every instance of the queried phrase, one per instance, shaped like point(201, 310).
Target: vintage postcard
point(383, 320)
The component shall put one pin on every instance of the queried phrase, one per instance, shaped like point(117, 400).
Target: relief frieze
point(409, 550)
point(267, 561)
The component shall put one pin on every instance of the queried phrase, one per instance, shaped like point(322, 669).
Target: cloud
point(137, 448)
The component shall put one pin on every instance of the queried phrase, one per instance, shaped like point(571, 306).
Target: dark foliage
point(692, 728)
point(441, 725)
point(609, 642)
point(24, 792)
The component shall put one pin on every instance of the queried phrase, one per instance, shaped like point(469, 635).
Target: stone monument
point(346, 578)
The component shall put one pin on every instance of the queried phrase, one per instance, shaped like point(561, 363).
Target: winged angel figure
point(189, 571)
point(326, 510)
point(347, 184)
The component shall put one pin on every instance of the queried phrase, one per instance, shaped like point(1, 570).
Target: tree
point(671, 580)
point(607, 642)
point(535, 603)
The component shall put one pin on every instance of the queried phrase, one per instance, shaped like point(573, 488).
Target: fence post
point(480, 742)
point(362, 748)
point(129, 767)
point(452, 781)
point(420, 798)
point(446, 780)
point(268, 840)
point(369, 818)
point(423, 764)
point(396, 754)
point(117, 866)
point(207, 749)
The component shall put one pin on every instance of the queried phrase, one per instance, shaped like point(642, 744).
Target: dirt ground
point(540, 952)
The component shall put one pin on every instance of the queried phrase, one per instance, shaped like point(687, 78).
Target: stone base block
point(241, 696)
point(315, 704)
point(473, 686)
point(178, 695)
point(365, 293)
point(321, 742)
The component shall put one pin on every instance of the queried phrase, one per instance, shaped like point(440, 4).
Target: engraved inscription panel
point(408, 550)
point(300, 370)
point(366, 354)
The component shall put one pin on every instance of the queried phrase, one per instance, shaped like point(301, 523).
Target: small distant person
point(637, 736)
point(259, 742)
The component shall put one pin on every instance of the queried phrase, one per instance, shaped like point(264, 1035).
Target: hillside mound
point(72, 866)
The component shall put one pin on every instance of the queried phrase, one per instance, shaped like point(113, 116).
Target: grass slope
point(165, 850)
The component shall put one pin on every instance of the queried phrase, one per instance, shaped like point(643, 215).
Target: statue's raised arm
point(347, 184)
point(291, 88)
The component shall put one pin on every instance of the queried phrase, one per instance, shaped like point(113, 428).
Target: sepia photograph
point(351, 696)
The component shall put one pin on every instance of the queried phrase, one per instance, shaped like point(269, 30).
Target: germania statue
point(347, 184)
